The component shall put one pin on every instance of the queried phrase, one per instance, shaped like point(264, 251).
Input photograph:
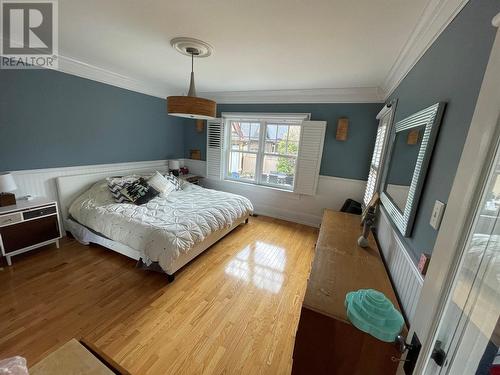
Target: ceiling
point(258, 44)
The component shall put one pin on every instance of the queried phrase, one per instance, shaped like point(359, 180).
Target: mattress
point(165, 227)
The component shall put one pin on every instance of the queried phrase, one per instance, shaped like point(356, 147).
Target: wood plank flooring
point(233, 310)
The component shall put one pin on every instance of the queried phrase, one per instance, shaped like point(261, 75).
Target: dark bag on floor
point(352, 207)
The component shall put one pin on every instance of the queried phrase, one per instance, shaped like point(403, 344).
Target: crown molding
point(82, 69)
point(342, 95)
point(85, 70)
point(437, 15)
point(78, 68)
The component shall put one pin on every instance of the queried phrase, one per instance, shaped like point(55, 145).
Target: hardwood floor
point(233, 310)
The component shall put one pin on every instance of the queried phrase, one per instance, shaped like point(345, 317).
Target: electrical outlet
point(437, 214)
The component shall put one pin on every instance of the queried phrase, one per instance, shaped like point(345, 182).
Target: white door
point(468, 338)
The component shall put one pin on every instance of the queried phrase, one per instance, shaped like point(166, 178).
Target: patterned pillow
point(162, 184)
point(116, 185)
point(139, 192)
point(174, 180)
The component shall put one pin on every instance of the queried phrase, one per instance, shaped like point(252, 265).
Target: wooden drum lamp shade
point(191, 107)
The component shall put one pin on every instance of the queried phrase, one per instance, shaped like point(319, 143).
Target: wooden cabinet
point(326, 342)
point(27, 226)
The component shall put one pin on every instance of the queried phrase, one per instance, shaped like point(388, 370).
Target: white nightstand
point(192, 178)
point(28, 225)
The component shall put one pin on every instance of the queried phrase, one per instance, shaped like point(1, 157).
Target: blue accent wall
point(404, 154)
point(51, 119)
point(194, 140)
point(451, 70)
point(347, 159)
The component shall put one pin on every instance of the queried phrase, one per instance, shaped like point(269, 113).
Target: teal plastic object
point(372, 312)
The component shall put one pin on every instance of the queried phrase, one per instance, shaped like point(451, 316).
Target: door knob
point(401, 344)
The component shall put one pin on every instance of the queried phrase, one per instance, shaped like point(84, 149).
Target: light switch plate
point(437, 214)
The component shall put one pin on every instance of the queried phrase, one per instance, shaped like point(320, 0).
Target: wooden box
point(7, 199)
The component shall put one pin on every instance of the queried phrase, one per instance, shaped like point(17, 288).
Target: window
point(385, 118)
point(263, 152)
point(278, 150)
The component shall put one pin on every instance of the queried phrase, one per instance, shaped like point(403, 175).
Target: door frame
point(462, 200)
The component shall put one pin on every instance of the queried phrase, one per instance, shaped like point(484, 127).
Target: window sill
point(256, 186)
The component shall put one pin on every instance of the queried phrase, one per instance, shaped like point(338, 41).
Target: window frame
point(387, 111)
point(229, 150)
point(264, 120)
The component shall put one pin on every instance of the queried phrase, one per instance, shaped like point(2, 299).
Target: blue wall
point(451, 70)
point(194, 140)
point(347, 159)
point(404, 154)
point(52, 119)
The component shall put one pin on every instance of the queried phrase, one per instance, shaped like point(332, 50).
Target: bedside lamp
point(7, 184)
point(174, 166)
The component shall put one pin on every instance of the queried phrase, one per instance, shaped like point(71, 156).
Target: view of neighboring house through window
point(245, 143)
point(263, 152)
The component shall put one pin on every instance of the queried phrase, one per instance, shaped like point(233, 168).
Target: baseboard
point(295, 217)
point(308, 210)
point(332, 193)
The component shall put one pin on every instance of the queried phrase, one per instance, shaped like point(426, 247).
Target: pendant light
point(191, 106)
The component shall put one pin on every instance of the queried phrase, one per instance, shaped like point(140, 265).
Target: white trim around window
point(242, 116)
point(385, 117)
point(274, 156)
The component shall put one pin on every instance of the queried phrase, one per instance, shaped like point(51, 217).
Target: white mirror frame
point(431, 119)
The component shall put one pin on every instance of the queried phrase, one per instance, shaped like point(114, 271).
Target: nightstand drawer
point(29, 233)
point(44, 211)
point(10, 219)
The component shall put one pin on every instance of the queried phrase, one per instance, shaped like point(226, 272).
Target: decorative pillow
point(140, 192)
point(174, 180)
point(161, 184)
point(116, 185)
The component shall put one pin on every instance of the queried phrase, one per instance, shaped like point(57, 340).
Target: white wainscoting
point(197, 167)
point(407, 279)
point(332, 193)
point(42, 182)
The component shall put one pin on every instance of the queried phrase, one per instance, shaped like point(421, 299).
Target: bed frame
point(70, 187)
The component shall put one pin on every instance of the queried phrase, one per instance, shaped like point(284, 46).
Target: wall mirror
point(409, 151)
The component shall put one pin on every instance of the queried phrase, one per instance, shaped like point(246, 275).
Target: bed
point(166, 232)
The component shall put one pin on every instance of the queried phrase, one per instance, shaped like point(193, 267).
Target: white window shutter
point(312, 137)
point(215, 147)
point(372, 185)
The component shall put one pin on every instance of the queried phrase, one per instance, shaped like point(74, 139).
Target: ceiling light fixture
point(191, 106)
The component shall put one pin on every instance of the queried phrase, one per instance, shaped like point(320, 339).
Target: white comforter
point(164, 227)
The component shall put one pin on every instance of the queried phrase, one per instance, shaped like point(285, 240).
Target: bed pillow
point(174, 180)
point(117, 184)
point(161, 184)
point(140, 192)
